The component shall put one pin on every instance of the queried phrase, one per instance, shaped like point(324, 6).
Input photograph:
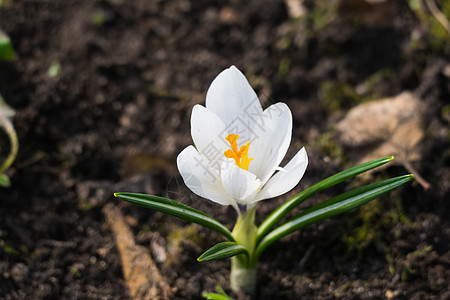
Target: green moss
point(338, 95)
point(371, 83)
point(160, 91)
point(406, 272)
point(5, 3)
point(421, 251)
point(406, 269)
point(445, 113)
point(342, 289)
point(285, 42)
point(436, 36)
point(189, 232)
point(326, 143)
point(85, 205)
point(370, 223)
point(322, 14)
point(179, 236)
point(391, 263)
point(283, 68)
point(99, 18)
point(144, 229)
point(75, 271)
point(439, 37)
point(11, 250)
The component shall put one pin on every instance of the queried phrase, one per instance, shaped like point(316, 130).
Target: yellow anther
point(240, 156)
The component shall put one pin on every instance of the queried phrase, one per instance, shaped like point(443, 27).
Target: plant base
point(242, 278)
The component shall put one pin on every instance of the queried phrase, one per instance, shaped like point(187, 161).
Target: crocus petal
point(286, 179)
point(232, 98)
point(199, 178)
point(209, 132)
point(272, 136)
point(239, 183)
point(232, 107)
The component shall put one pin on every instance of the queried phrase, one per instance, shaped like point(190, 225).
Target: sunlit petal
point(200, 179)
point(208, 132)
point(239, 183)
point(231, 97)
point(272, 136)
point(285, 179)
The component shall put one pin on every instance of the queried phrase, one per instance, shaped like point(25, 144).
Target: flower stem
point(242, 277)
point(243, 267)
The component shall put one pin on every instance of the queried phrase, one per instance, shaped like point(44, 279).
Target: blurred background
point(102, 93)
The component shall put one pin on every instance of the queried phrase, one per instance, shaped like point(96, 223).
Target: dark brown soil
point(117, 115)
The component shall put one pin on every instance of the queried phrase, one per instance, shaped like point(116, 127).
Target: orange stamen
point(240, 156)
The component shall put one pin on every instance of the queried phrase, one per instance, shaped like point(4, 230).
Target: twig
point(306, 257)
point(438, 15)
point(425, 184)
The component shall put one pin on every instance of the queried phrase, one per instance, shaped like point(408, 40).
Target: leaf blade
point(222, 250)
point(176, 209)
point(4, 180)
point(6, 49)
point(286, 207)
point(332, 207)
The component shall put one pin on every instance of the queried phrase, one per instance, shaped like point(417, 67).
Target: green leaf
point(6, 115)
point(6, 111)
point(222, 250)
point(174, 208)
point(54, 69)
point(414, 5)
point(214, 296)
point(332, 207)
point(286, 207)
point(4, 181)
point(5, 3)
point(6, 50)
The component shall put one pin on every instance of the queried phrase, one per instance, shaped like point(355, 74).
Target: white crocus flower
point(239, 146)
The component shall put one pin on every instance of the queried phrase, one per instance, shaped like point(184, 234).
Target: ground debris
point(369, 12)
point(381, 128)
point(142, 277)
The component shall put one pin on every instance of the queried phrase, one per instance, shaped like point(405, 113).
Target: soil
point(117, 114)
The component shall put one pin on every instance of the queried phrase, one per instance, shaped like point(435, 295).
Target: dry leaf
point(295, 8)
point(391, 126)
point(141, 274)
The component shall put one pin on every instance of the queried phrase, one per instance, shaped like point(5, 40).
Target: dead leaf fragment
point(295, 8)
point(141, 274)
point(374, 13)
point(381, 128)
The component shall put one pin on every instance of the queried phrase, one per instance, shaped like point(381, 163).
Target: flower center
point(240, 156)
